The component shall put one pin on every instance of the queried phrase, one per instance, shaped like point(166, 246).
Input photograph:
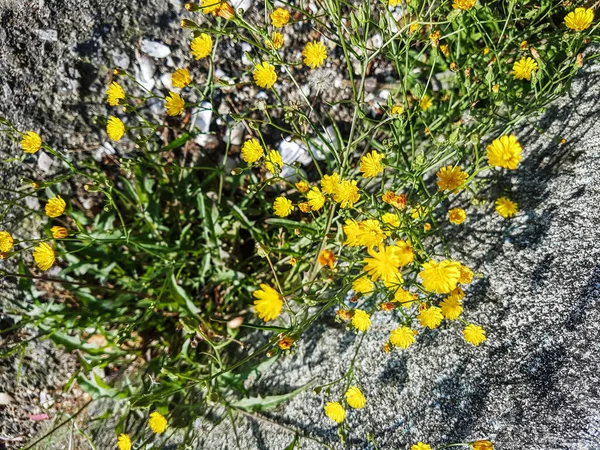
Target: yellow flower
point(302, 186)
point(314, 54)
point(225, 11)
point(329, 182)
point(124, 442)
point(276, 39)
point(523, 68)
point(55, 207)
point(355, 398)
point(346, 193)
point(445, 50)
point(523, 45)
point(114, 93)
point(463, 4)
point(352, 230)
point(474, 334)
point(430, 317)
point(174, 104)
point(396, 110)
point(335, 411)
point(201, 46)
point(441, 277)
point(391, 219)
point(426, 103)
point(505, 151)
point(59, 232)
point(420, 446)
point(418, 211)
point(6, 241)
point(283, 207)
point(362, 285)
point(466, 275)
point(115, 128)
point(451, 307)
point(285, 343)
point(369, 234)
point(370, 164)
point(326, 258)
point(435, 38)
point(403, 337)
point(157, 422)
point(580, 19)
point(405, 253)
point(274, 163)
point(457, 216)
point(268, 302)
point(43, 255)
point(482, 445)
point(384, 264)
point(397, 201)
point(210, 6)
point(426, 226)
point(361, 320)
point(181, 78)
point(31, 142)
point(316, 199)
point(304, 207)
point(415, 26)
point(252, 151)
point(280, 17)
point(506, 207)
point(293, 261)
point(405, 298)
point(264, 75)
point(451, 178)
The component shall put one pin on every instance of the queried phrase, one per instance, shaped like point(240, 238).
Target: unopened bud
point(188, 24)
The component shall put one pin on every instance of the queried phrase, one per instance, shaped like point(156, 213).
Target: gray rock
point(155, 49)
point(47, 35)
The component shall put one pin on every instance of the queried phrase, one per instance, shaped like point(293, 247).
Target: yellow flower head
point(352, 230)
point(430, 317)
point(355, 398)
point(59, 232)
point(362, 285)
point(361, 320)
point(397, 201)
point(482, 445)
point(367, 233)
point(327, 258)
point(445, 50)
point(580, 19)
point(435, 38)
point(273, 162)
point(157, 422)
point(268, 303)
point(441, 277)
point(174, 104)
point(523, 68)
point(329, 182)
point(201, 46)
point(302, 186)
point(283, 207)
point(405, 298)
point(316, 199)
point(55, 207)
point(391, 219)
point(403, 337)
point(384, 264)
point(124, 442)
point(457, 216)
point(276, 39)
point(474, 334)
point(6, 242)
point(44, 256)
point(506, 207)
point(451, 178)
point(346, 193)
point(463, 4)
point(314, 54)
point(523, 45)
point(335, 411)
point(304, 207)
point(466, 275)
point(114, 93)
point(252, 151)
point(505, 151)
point(210, 6)
point(370, 164)
point(285, 343)
point(451, 307)
point(280, 17)
point(31, 142)
point(115, 128)
point(264, 75)
point(181, 78)
point(418, 211)
point(420, 446)
point(396, 110)
point(426, 103)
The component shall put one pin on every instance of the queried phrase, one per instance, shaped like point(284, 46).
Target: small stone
point(155, 49)
point(47, 35)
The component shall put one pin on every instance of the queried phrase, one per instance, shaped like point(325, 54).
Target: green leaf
point(268, 402)
point(176, 143)
point(96, 387)
point(182, 297)
point(291, 224)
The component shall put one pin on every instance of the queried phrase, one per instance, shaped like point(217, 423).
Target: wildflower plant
point(194, 267)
